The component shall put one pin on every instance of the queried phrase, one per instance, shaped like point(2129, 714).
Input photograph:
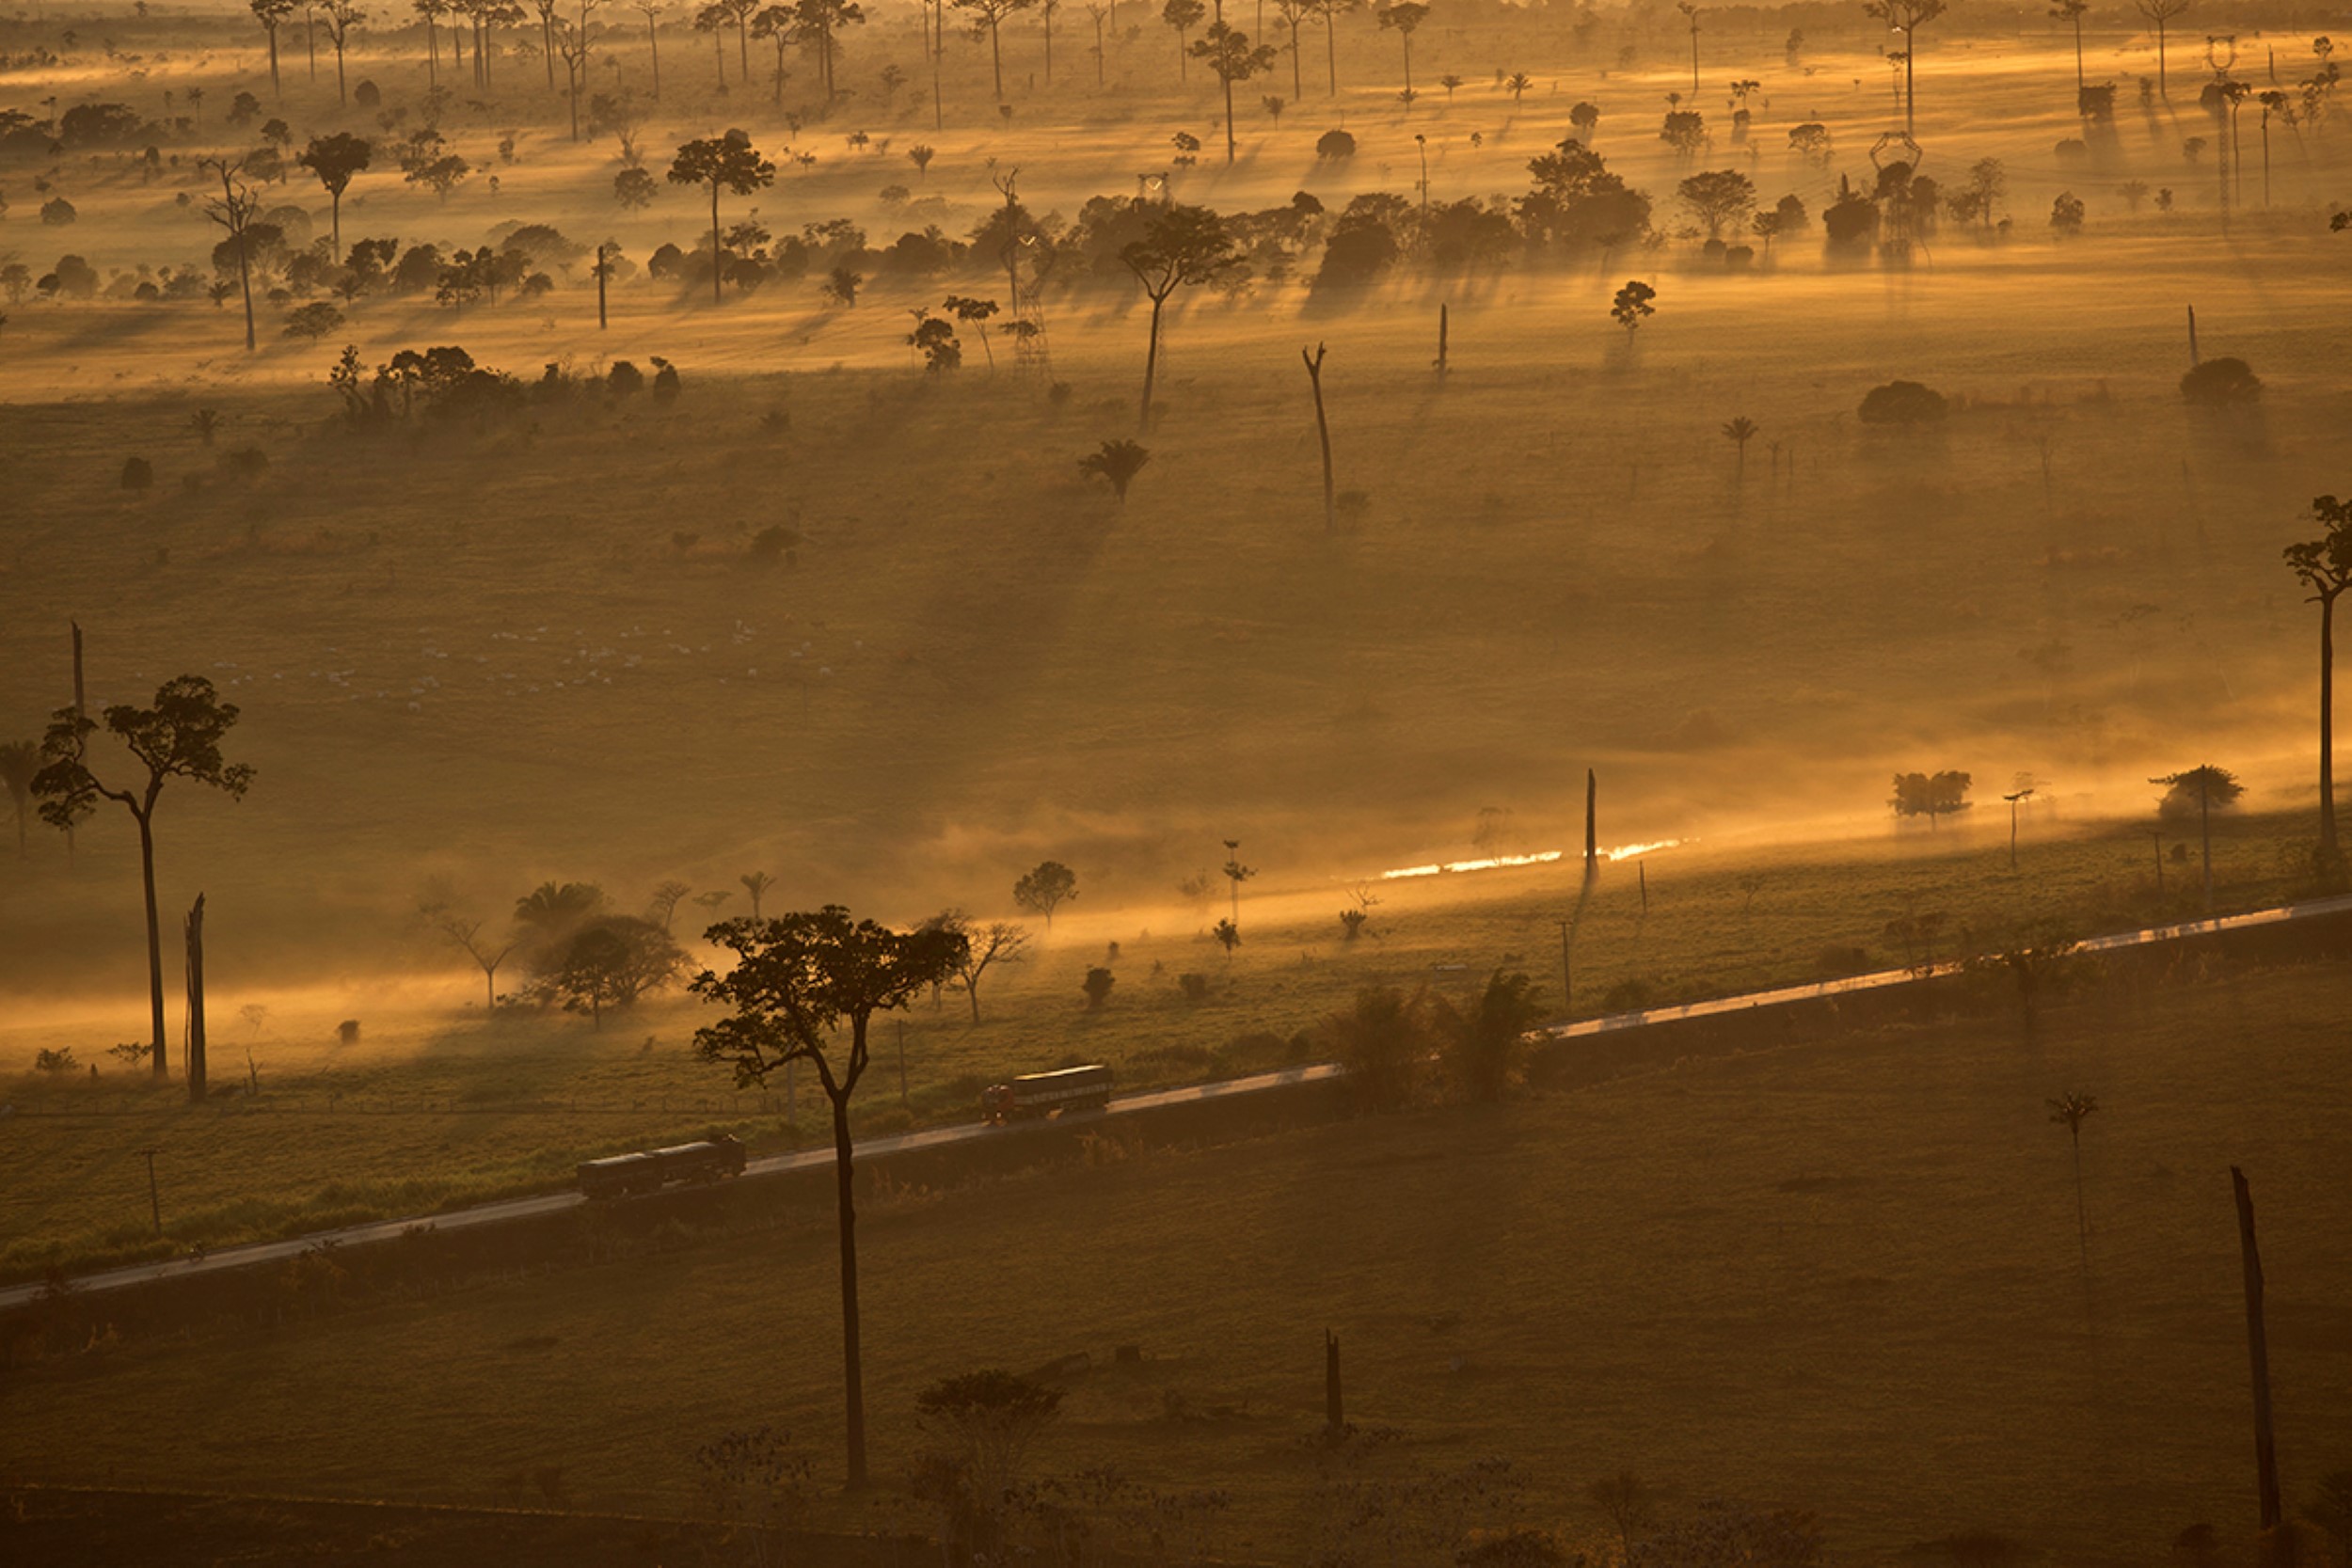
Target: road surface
point(933, 1137)
point(549, 1203)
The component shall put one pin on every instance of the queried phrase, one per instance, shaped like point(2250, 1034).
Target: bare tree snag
point(1322, 429)
point(1592, 829)
point(196, 1001)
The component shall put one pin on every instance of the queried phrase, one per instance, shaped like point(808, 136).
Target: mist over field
point(1669, 645)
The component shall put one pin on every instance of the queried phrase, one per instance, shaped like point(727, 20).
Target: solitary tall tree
point(999, 942)
point(1182, 16)
point(234, 210)
point(336, 160)
point(431, 12)
point(796, 981)
point(1691, 14)
point(2161, 12)
point(1403, 18)
point(179, 738)
point(989, 15)
point(1906, 17)
point(1181, 247)
point(2070, 1111)
point(1228, 52)
point(2071, 10)
point(1330, 10)
point(272, 15)
point(2201, 790)
point(728, 163)
point(341, 17)
point(1045, 889)
point(1740, 432)
point(756, 884)
point(2325, 566)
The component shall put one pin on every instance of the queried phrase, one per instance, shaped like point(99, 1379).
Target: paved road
point(526, 1207)
point(873, 1149)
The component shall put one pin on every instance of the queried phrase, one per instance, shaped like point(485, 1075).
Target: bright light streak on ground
point(1625, 851)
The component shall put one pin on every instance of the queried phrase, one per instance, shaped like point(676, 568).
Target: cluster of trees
point(573, 949)
point(1400, 1046)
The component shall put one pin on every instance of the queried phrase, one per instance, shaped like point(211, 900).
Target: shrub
point(138, 475)
point(624, 379)
point(1335, 145)
point(665, 380)
point(2222, 383)
point(1098, 985)
point(313, 320)
point(1383, 1040)
point(1902, 402)
point(58, 211)
point(245, 463)
point(1194, 987)
point(1629, 996)
point(775, 543)
point(60, 1060)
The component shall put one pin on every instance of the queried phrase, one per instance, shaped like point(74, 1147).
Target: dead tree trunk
point(1441, 340)
point(1592, 828)
point(1322, 429)
point(196, 1001)
point(2258, 1351)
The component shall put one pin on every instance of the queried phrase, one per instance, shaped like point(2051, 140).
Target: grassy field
point(438, 1106)
point(1839, 1275)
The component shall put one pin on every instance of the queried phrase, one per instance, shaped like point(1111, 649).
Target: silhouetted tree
point(1046, 888)
point(1931, 794)
point(2323, 565)
point(1902, 402)
point(1906, 17)
point(1181, 247)
point(1403, 18)
point(2160, 13)
point(179, 738)
point(611, 962)
point(2199, 791)
point(998, 942)
point(1740, 432)
point(1384, 1039)
point(2222, 383)
point(991, 14)
point(272, 14)
point(1229, 54)
point(1718, 197)
point(1117, 462)
point(235, 209)
point(796, 981)
point(1182, 16)
point(1632, 306)
point(756, 884)
point(341, 17)
point(467, 936)
point(1097, 987)
point(2070, 1111)
point(335, 160)
point(728, 163)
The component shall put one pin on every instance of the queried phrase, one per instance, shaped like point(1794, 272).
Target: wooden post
point(2258, 1351)
point(603, 268)
point(2159, 838)
point(1644, 871)
point(1334, 1423)
point(1322, 429)
point(1441, 336)
point(196, 1001)
point(1591, 831)
point(2192, 338)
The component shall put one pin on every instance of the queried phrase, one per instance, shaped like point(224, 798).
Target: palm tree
point(2325, 566)
point(756, 884)
point(18, 761)
point(2070, 1111)
point(1740, 432)
point(1118, 461)
point(1517, 84)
